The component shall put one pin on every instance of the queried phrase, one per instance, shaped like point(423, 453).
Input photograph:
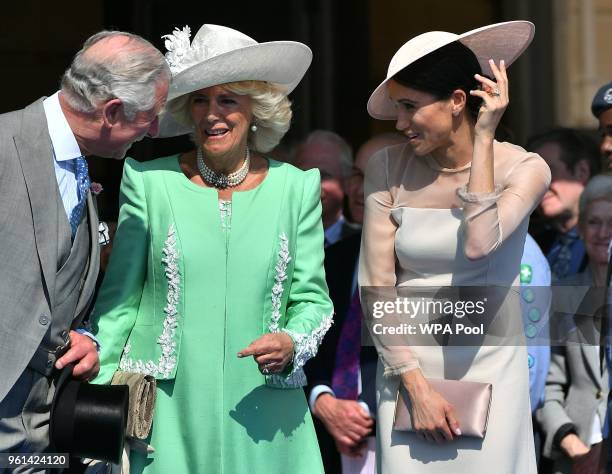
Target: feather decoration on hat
point(181, 54)
point(178, 45)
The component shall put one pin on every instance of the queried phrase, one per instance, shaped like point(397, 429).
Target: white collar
point(64, 143)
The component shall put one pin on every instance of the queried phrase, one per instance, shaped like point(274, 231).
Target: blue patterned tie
point(562, 263)
point(83, 184)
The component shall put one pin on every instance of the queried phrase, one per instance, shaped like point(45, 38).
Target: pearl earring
point(253, 128)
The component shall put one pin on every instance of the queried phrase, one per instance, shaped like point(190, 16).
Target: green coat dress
point(191, 282)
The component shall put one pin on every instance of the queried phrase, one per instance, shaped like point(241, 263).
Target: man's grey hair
point(327, 137)
point(130, 74)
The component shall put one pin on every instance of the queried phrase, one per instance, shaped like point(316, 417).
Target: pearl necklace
point(220, 180)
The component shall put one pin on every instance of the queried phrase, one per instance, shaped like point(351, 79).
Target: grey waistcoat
point(73, 262)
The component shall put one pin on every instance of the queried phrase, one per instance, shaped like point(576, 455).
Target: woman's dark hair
point(443, 71)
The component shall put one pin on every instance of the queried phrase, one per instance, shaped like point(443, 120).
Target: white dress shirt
point(65, 150)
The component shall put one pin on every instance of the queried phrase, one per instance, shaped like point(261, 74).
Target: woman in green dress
point(216, 285)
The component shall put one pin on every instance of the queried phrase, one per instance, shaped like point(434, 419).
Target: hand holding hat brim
point(499, 41)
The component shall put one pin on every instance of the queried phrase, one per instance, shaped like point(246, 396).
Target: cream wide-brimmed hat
point(219, 55)
point(499, 41)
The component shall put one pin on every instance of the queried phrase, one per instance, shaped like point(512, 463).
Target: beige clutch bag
point(471, 400)
point(141, 402)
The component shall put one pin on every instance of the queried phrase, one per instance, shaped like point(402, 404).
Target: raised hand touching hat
point(499, 41)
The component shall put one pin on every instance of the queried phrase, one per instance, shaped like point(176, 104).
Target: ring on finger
point(266, 368)
point(495, 92)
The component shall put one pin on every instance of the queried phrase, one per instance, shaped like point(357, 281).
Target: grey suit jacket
point(575, 386)
point(29, 241)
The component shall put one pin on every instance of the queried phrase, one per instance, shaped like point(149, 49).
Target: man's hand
point(573, 447)
point(346, 421)
point(84, 354)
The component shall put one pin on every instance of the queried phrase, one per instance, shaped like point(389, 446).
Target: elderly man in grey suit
point(110, 97)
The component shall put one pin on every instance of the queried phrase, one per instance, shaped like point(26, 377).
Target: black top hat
point(88, 420)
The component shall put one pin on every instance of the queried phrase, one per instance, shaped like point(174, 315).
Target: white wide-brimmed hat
point(499, 41)
point(219, 55)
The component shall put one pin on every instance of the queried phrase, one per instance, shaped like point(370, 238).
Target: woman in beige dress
point(451, 208)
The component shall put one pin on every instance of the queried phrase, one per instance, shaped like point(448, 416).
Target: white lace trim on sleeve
point(167, 360)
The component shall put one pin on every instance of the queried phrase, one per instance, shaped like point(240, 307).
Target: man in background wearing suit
point(333, 157)
point(602, 110)
point(110, 97)
point(573, 159)
point(341, 378)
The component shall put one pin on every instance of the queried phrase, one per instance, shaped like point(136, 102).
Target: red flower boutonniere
point(96, 188)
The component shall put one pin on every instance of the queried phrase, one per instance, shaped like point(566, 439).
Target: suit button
point(49, 363)
point(44, 320)
point(599, 395)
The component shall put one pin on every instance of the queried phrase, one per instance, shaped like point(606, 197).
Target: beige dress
point(418, 222)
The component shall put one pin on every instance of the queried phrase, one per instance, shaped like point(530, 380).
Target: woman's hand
point(433, 418)
point(272, 352)
point(495, 100)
